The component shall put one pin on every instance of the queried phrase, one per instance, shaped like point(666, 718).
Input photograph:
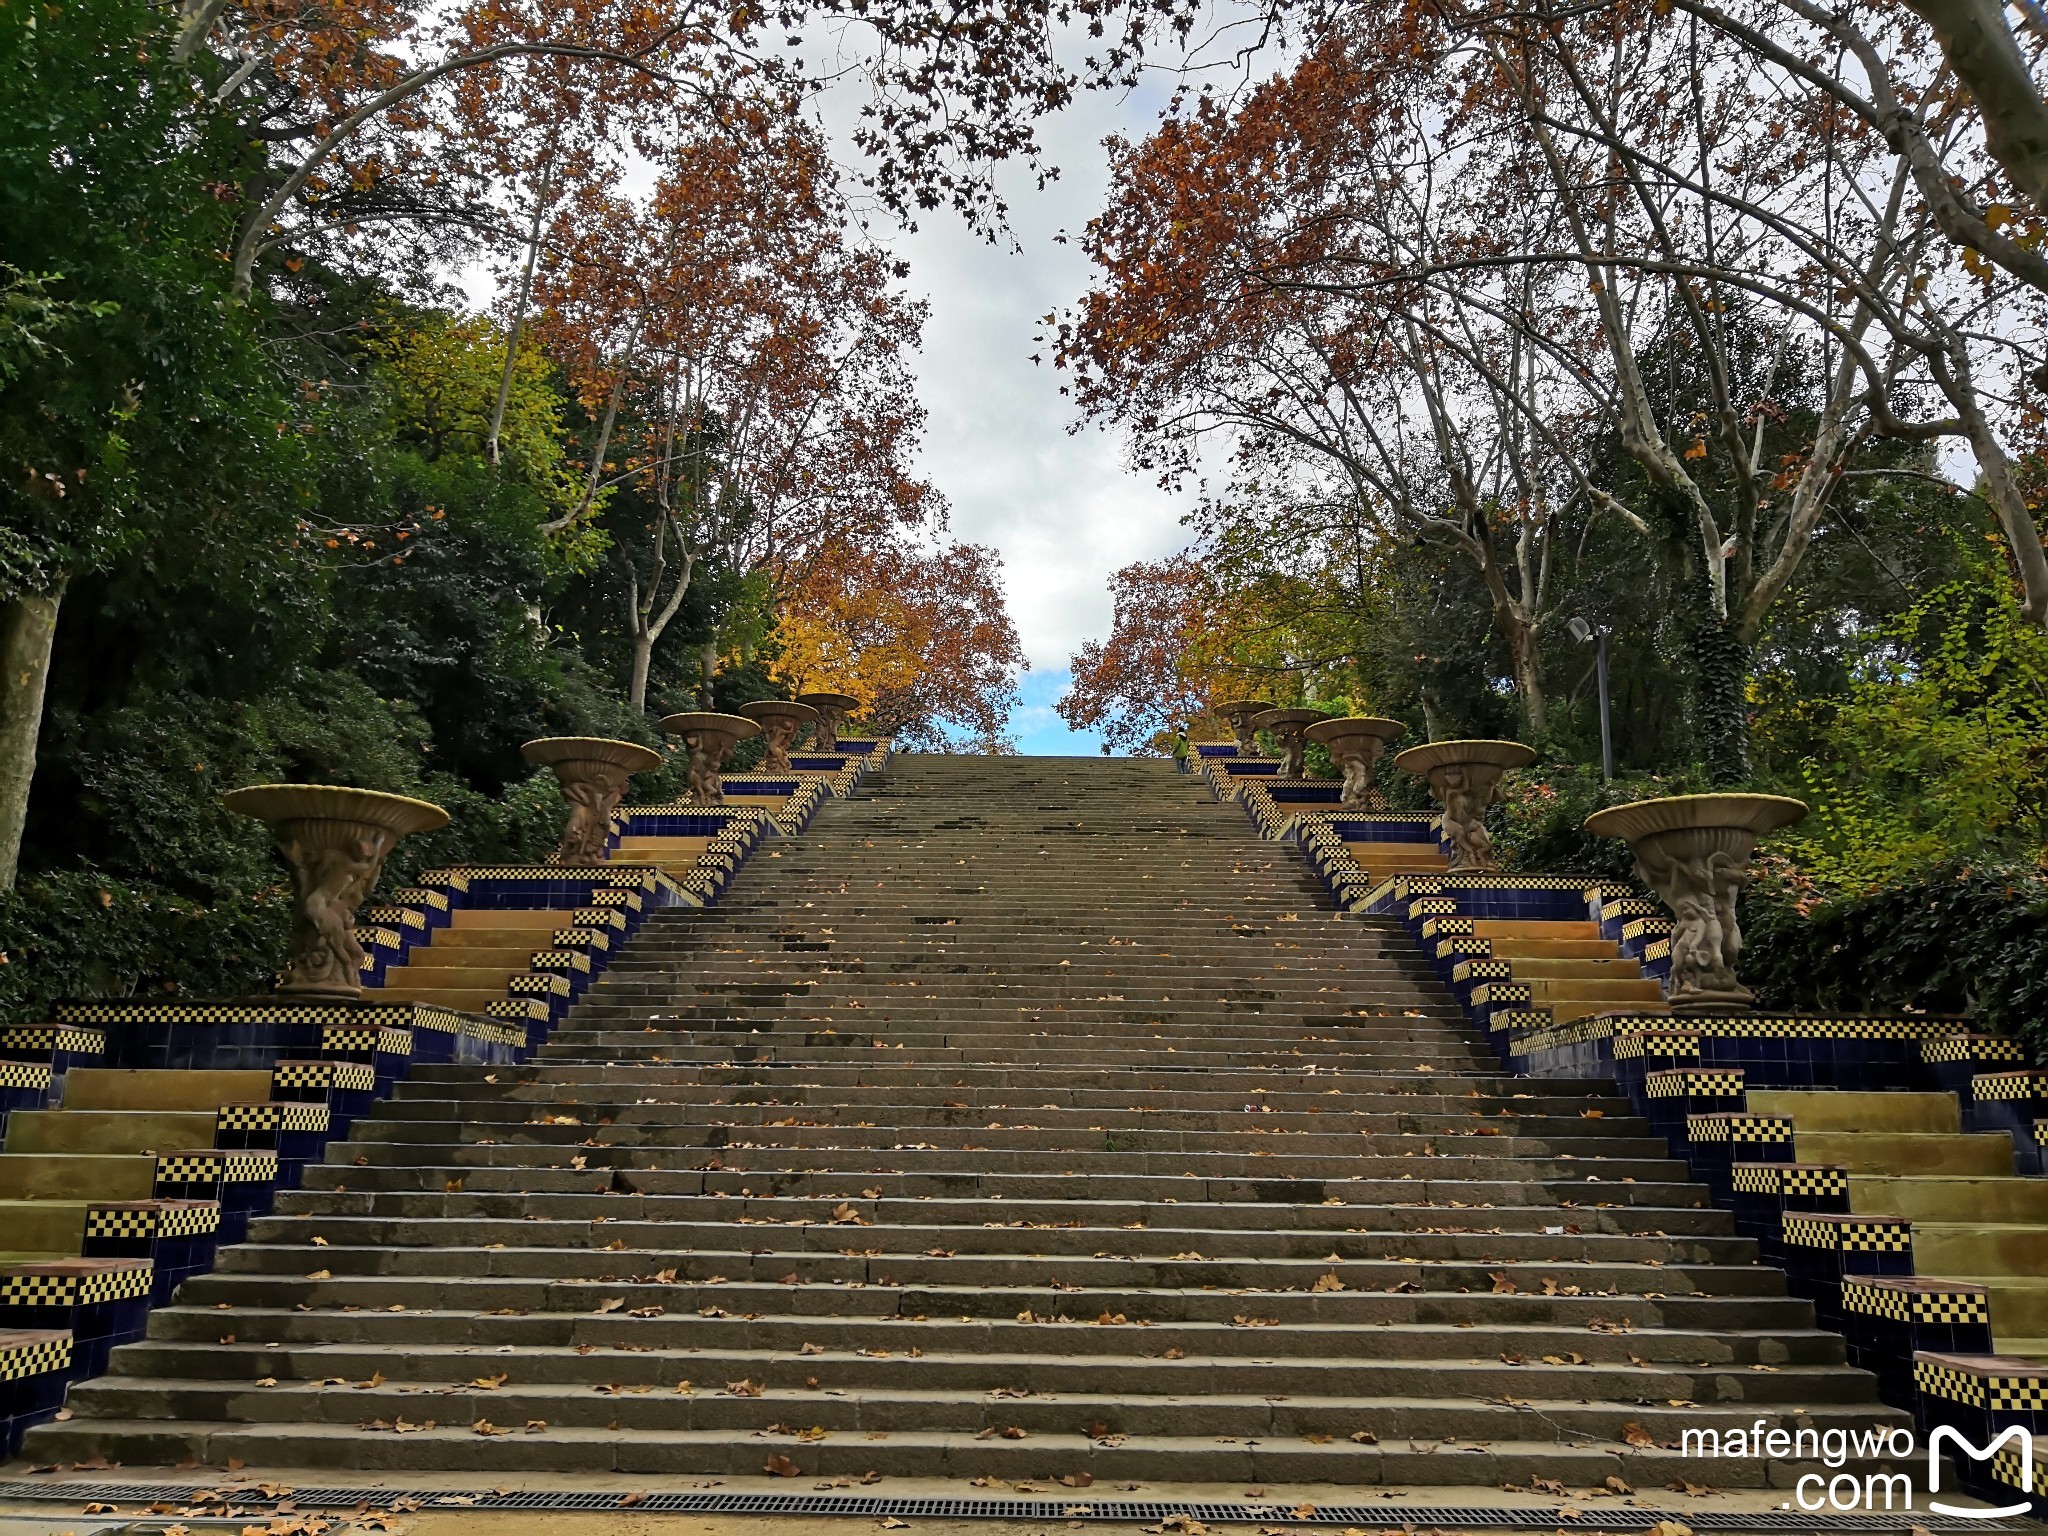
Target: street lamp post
point(1582, 632)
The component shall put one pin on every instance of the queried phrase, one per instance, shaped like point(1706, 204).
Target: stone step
point(163, 1089)
point(1839, 1109)
point(108, 1130)
point(1982, 1153)
point(1055, 1221)
point(1176, 1459)
point(1161, 1164)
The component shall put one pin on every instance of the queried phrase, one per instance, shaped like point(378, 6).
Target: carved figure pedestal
point(710, 737)
point(1287, 726)
point(592, 771)
point(1237, 714)
point(780, 720)
point(1465, 777)
point(336, 840)
point(1355, 743)
point(832, 708)
point(1694, 852)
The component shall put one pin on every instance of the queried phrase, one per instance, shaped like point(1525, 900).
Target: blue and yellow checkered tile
point(1917, 1299)
point(1758, 1178)
point(2015, 1084)
point(145, 1220)
point(216, 1165)
point(1626, 909)
point(607, 918)
point(519, 1010)
point(1693, 1083)
point(72, 1283)
point(408, 919)
point(1814, 1181)
point(2012, 1468)
point(336, 1076)
point(128, 1012)
point(1969, 1048)
point(1648, 1045)
point(420, 896)
point(1738, 1127)
point(1482, 970)
point(1446, 927)
point(1848, 1235)
point(25, 1077)
point(1501, 994)
point(39, 1041)
point(574, 961)
point(1511, 1019)
point(26, 1352)
point(283, 1115)
point(537, 984)
point(1646, 928)
point(2002, 1384)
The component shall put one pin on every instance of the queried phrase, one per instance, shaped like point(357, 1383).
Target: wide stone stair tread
point(1165, 1459)
point(1013, 1096)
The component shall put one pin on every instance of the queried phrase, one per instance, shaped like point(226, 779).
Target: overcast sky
point(1060, 506)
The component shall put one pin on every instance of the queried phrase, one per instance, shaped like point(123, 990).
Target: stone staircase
point(1028, 1119)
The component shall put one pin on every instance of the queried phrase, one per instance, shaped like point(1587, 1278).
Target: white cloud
point(1060, 507)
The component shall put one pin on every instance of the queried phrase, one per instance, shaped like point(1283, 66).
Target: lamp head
point(1581, 631)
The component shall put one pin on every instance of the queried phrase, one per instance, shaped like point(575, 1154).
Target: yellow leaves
point(1697, 449)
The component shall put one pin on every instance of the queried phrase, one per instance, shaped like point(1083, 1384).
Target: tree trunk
point(709, 662)
point(1980, 48)
point(2009, 502)
point(1528, 662)
point(1721, 700)
point(28, 631)
point(540, 203)
point(643, 661)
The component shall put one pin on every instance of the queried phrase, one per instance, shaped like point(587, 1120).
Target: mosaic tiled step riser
point(135, 1254)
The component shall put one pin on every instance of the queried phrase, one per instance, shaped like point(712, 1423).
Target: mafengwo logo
point(2004, 1468)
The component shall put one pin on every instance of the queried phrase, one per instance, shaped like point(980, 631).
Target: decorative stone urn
point(1693, 851)
point(832, 708)
point(710, 738)
point(335, 840)
point(780, 720)
point(1237, 714)
point(1355, 743)
point(1465, 777)
point(1287, 726)
point(592, 771)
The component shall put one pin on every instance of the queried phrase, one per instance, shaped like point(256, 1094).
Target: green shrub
point(1538, 825)
point(81, 934)
point(1953, 939)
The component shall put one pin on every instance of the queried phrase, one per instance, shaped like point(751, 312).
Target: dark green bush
point(1538, 826)
point(80, 934)
point(1957, 939)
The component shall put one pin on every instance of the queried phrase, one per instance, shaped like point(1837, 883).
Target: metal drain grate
point(1379, 1516)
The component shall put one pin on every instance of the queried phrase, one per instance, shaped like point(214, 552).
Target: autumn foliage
point(919, 634)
